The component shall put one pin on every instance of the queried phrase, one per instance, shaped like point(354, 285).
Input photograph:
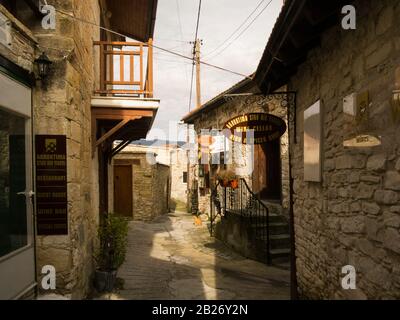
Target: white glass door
point(17, 260)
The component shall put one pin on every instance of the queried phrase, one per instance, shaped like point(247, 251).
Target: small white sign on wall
point(5, 31)
point(312, 143)
point(350, 104)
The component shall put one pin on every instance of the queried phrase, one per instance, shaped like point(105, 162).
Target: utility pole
point(197, 45)
point(196, 62)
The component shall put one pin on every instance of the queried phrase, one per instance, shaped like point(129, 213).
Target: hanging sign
point(266, 128)
point(51, 185)
point(219, 144)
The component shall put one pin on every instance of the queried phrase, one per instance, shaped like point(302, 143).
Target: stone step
point(276, 218)
point(280, 241)
point(275, 228)
point(274, 208)
point(275, 253)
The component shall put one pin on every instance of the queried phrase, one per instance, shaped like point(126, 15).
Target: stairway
point(260, 228)
point(278, 233)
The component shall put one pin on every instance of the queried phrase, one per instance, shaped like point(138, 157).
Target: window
point(185, 177)
point(13, 211)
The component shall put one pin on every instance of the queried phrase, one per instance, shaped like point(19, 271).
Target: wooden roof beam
point(109, 133)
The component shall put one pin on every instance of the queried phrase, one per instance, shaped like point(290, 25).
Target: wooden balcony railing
point(122, 69)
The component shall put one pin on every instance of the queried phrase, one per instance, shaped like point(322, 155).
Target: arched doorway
point(267, 174)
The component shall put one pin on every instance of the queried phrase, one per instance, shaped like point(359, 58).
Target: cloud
point(218, 20)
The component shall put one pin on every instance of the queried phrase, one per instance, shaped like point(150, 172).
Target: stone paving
point(171, 258)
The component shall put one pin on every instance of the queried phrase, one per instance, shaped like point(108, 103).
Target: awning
point(134, 18)
point(123, 120)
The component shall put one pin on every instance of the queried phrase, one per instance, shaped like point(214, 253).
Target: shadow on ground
point(171, 258)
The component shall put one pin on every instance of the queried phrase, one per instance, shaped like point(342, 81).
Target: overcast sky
point(175, 28)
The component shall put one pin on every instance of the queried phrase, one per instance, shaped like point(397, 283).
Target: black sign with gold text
point(266, 128)
point(51, 185)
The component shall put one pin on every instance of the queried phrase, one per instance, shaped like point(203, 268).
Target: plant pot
point(234, 184)
point(104, 281)
point(225, 183)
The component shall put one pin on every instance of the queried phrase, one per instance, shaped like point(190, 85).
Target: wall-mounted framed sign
point(51, 185)
point(266, 128)
point(312, 143)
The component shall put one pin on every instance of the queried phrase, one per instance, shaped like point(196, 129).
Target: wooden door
point(123, 204)
point(259, 173)
point(267, 170)
point(272, 151)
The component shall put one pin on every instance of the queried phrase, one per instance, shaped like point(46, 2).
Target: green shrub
point(113, 234)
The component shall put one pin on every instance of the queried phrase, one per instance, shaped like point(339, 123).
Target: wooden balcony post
point(150, 62)
point(102, 68)
point(141, 68)
point(141, 87)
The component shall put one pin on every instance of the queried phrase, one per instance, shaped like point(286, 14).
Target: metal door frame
point(16, 98)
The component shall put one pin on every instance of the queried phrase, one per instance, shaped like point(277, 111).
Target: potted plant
point(234, 183)
point(225, 177)
point(112, 234)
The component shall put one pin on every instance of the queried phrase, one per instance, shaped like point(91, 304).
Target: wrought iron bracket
point(287, 99)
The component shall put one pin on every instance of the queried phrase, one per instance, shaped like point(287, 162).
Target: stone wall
point(62, 106)
point(216, 119)
point(353, 216)
point(161, 189)
point(178, 167)
point(162, 151)
point(151, 185)
point(22, 50)
point(172, 156)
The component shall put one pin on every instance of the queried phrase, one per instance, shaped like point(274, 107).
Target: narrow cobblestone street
point(172, 258)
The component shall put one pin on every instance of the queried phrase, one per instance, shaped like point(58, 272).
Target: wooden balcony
point(126, 69)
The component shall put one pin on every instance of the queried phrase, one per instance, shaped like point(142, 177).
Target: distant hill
point(157, 143)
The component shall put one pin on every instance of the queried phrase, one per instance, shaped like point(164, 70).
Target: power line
point(172, 40)
point(236, 30)
point(243, 31)
point(173, 61)
point(173, 48)
point(154, 46)
point(191, 87)
point(178, 11)
point(198, 20)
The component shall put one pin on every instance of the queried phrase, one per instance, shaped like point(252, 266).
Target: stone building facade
point(357, 202)
point(68, 94)
point(168, 154)
point(61, 104)
point(151, 184)
point(179, 168)
point(352, 216)
point(214, 115)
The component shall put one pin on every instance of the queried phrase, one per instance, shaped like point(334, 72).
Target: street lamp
point(43, 63)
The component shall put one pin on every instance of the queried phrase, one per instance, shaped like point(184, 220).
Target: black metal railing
point(244, 202)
